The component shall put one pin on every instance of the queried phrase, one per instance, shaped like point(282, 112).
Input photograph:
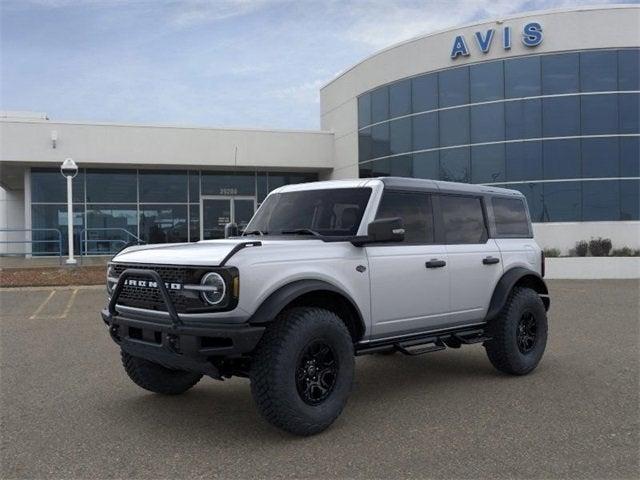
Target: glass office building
point(561, 128)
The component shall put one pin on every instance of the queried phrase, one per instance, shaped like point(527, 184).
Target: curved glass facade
point(561, 128)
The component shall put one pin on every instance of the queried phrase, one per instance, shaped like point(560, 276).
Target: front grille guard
point(155, 276)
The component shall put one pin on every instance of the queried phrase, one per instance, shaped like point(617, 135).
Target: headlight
point(111, 279)
point(214, 288)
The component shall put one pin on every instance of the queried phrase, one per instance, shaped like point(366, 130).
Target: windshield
point(327, 212)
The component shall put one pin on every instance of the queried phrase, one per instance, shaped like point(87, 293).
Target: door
point(474, 259)
point(217, 211)
point(409, 280)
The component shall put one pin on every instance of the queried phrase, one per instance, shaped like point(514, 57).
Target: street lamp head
point(69, 168)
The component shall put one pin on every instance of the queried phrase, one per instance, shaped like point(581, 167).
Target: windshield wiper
point(301, 231)
point(254, 232)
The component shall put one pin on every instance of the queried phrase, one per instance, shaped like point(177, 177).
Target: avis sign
point(531, 37)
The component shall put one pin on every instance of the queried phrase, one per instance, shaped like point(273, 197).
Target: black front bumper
point(173, 343)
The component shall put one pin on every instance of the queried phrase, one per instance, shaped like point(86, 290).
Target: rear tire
point(302, 372)
point(519, 333)
point(156, 378)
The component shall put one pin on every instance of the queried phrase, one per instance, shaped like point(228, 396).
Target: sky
point(217, 63)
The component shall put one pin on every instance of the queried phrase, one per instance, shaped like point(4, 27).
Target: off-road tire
point(503, 350)
point(156, 378)
point(276, 364)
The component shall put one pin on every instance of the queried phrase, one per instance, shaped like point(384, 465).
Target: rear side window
point(510, 216)
point(415, 211)
point(463, 219)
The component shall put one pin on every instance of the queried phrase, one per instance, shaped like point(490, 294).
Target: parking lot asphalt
point(69, 411)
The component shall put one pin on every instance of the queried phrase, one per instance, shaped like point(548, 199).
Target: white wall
point(565, 235)
point(592, 268)
point(11, 216)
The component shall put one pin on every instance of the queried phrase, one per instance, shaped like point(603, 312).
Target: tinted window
point(522, 77)
point(454, 165)
point(600, 157)
point(426, 165)
point(424, 93)
point(560, 73)
point(50, 186)
point(163, 187)
point(598, 71)
point(415, 211)
point(510, 217)
point(629, 112)
point(379, 105)
point(194, 223)
point(599, 114)
point(630, 157)
point(487, 82)
point(194, 186)
point(487, 123)
point(523, 119)
point(55, 217)
point(561, 116)
point(463, 219)
point(487, 163)
point(562, 202)
point(219, 183)
point(629, 69)
point(111, 222)
point(533, 194)
point(364, 110)
point(380, 140)
point(400, 135)
point(400, 98)
point(454, 87)
point(365, 144)
point(454, 127)
point(561, 159)
point(523, 161)
point(106, 186)
point(400, 166)
point(600, 201)
point(630, 200)
point(425, 131)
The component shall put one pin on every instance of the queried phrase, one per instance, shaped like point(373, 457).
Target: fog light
point(214, 288)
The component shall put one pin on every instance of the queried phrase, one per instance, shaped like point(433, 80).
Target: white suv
point(325, 272)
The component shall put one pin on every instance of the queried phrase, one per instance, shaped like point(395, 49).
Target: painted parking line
point(42, 305)
point(69, 304)
point(37, 314)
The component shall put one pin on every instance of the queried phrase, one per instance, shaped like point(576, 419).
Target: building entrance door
point(216, 211)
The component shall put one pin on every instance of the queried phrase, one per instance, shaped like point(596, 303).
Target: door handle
point(435, 263)
point(490, 260)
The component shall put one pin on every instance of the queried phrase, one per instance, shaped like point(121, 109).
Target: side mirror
point(230, 230)
point(382, 230)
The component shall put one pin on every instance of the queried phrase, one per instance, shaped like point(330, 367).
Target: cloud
point(194, 12)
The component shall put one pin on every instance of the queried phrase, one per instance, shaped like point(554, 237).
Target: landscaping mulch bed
point(52, 276)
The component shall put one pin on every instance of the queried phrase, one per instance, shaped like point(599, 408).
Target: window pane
point(629, 69)
point(426, 165)
point(415, 211)
point(487, 123)
point(401, 166)
point(524, 161)
point(107, 186)
point(560, 73)
point(400, 98)
point(562, 201)
point(107, 227)
point(600, 201)
point(599, 114)
point(561, 159)
point(279, 179)
point(463, 219)
point(55, 217)
point(487, 164)
point(262, 185)
point(424, 94)
point(163, 187)
point(48, 185)
point(400, 135)
point(522, 77)
point(194, 186)
point(600, 157)
point(454, 87)
point(380, 104)
point(425, 131)
point(194, 223)
point(380, 168)
point(598, 71)
point(219, 183)
point(510, 217)
point(365, 145)
point(629, 112)
point(533, 194)
point(630, 200)
point(454, 165)
point(364, 170)
point(454, 127)
point(380, 140)
point(523, 119)
point(561, 116)
point(163, 224)
point(630, 157)
point(487, 81)
point(364, 110)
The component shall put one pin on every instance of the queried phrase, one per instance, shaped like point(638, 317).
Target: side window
point(463, 219)
point(510, 216)
point(415, 211)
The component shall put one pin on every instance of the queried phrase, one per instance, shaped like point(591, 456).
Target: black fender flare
point(509, 280)
point(286, 294)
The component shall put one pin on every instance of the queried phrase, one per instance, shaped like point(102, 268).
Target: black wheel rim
point(317, 372)
point(527, 332)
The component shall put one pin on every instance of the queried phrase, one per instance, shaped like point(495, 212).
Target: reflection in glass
point(600, 201)
point(629, 112)
point(561, 159)
point(400, 98)
point(560, 73)
point(562, 202)
point(194, 223)
point(380, 140)
point(163, 186)
point(523, 161)
point(55, 216)
point(425, 131)
point(380, 104)
point(599, 71)
point(629, 69)
point(401, 166)
point(365, 145)
point(426, 165)
point(630, 157)
point(364, 110)
point(454, 165)
point(163, 223)
point(533, 194)
point(424, 93)
point(523, 119)
point(48, 185)
point(454, 87)
point(194, 186)
point(522, 77)
point(629, 200)
point(228, 183)
point(107, 227)
point(599, 114)
point(487, 123)
point(400, 135)
point(108, 186)
point(600, 157)
point(487, 164)
point(454, 127)
point(561, 116)
point(487, 81)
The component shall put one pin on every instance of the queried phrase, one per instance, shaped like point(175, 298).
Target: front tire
point(519, 333)
point(156, 378)
point(302, 372)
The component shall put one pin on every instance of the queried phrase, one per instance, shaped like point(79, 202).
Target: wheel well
point(537, 285)
point(335, 303)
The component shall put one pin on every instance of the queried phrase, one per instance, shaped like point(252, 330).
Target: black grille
point(149, 298)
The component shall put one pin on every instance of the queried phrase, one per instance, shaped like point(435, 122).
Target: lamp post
point(69, 169)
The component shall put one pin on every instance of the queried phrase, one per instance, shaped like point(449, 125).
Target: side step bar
point(425, 343)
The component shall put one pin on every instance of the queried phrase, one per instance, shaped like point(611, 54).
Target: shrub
point(581, 249)
point(551, 252)
point(600, 247)
point(625, 252)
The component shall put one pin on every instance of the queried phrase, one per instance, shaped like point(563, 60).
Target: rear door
point(474, 258)
point(409, 280)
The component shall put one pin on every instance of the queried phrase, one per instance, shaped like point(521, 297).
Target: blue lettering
point(532, 34)
point(459, 48)
point(485, 42)
point(506, 38)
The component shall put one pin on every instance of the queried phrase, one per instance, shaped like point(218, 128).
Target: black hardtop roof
point(405, 183)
